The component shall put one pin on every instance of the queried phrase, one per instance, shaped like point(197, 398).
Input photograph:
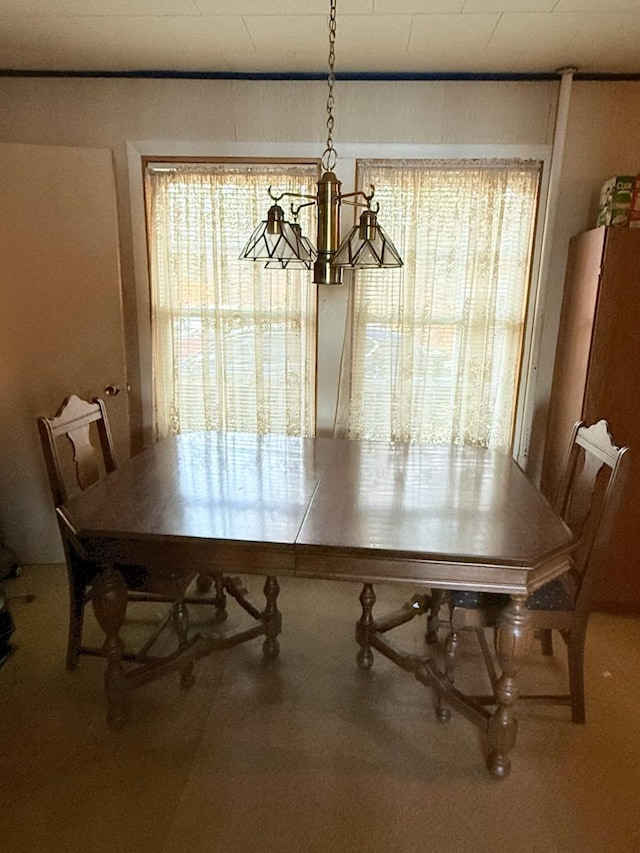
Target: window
point(234, 345)
point(435, 347)
point(432, 351)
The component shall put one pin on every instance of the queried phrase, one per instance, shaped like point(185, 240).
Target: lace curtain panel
point(435, 347)
point(233, 344)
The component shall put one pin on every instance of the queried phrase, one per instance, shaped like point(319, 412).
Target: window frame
point(332, 301)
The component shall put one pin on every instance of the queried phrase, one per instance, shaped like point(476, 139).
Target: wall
point(61, 320)
point(602, 140)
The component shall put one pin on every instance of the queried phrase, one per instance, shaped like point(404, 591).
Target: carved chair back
point(589, 496)
point(75, 421)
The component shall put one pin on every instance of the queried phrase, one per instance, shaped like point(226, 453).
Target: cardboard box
point(634, 213)
point(615, 201)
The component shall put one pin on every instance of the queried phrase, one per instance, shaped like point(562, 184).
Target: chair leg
point(450, 659)
point(575, 652)
point(438, 597)
point(220, 600)
point(451, 654)
point(109, 597)
point(203, 582)
point(546, 641)
point(76, 619)
point(181, 622)
point(272, 619)
point(364, 625)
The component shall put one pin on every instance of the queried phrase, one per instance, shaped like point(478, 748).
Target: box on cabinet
point(620, 201)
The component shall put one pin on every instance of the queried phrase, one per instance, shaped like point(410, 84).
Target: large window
point(432, 351)
point(233, 344)
point(435, 347)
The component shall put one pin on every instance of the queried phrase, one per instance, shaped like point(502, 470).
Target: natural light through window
point(436, 346)
point(233, 344)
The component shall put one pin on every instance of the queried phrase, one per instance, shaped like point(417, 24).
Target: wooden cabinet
point(597, 375)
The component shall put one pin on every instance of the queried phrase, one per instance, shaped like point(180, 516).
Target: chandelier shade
point(304, 262)
point(368, 246)
point(279, 242)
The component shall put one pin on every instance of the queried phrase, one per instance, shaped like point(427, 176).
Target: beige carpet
point(308, 753)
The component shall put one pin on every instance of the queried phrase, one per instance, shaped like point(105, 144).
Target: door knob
point(111, 390)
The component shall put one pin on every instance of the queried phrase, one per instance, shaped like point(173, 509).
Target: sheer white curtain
point(233, 344)
point(435, 346)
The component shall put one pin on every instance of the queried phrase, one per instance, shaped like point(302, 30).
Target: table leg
point(272, 619)
point(109, 599)
point(514, 637)
point(433, 619)
point(220, 600)
point(363, 628)
point(181, 622)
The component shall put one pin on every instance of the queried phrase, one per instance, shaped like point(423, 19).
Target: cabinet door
point(573, 350)
point(613, 392)
point(614, 372)
point(61, 320)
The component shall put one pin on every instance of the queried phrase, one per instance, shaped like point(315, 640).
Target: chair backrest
point(74, 422)
point(588, 498)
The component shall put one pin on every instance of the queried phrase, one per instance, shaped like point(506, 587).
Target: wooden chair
point(589, 494)
point(75, 421)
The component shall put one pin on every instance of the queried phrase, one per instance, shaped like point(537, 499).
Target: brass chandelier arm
point(296, 210)
point(367, 198)
point(347, 199)
point(277, 198)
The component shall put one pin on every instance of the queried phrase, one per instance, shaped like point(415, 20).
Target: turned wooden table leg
point(181, 623)
point(363, 628)
point(450, 659)
point(514, 637)
point(272, 619)
point(109, 598)
point(220, 600)
point(437, 600)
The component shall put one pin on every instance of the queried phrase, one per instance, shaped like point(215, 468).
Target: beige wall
point(603, 140)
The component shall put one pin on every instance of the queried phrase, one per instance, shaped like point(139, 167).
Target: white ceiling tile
point(385, 33)
point(107, 44)
point(529, 60)
point(417, 7)
point(608, 42)
point(605, 6)
point(609, 30)
point(209, 34)
point(311, 61)
point(199, 62)
point(453, 34)
point(291, 33)
point(471, 6)
point(263, 63)
point(240, 7)
point(322, 7)
point(533, 31)
point(97, 8)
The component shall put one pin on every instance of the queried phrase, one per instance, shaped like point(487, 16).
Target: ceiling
point(392, 37)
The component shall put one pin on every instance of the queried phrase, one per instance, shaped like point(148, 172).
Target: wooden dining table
point(433, 518)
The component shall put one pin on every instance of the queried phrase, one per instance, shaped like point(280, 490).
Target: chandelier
point(281, 244)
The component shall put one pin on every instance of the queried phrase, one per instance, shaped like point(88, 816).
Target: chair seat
point(558, 594)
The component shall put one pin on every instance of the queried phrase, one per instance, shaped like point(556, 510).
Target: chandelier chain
point(330, 157)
